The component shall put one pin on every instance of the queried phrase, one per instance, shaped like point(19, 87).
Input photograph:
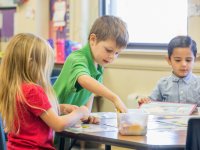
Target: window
point(151, 23)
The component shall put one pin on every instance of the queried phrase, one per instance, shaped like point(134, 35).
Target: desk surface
point(159, 135)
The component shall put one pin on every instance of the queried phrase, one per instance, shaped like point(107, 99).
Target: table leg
point(62, 143)
point(107, 147)
point(98, 102)
point(72, 144)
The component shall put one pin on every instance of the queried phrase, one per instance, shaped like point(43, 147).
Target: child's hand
point(67, 108)
point(144, 100)
point(120, 106)
point(84, 111)
point(92, 119)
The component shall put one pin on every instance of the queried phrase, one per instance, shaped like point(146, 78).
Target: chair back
point(54, 75)
point(2, 136)
point(193, 134)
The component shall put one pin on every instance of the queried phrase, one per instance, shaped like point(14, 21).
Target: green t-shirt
point(78, 63)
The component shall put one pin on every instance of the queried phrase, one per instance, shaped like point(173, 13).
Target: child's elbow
point(58, 129)
point(61, 126)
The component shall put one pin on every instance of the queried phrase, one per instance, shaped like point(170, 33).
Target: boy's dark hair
point(182, 41)
point(110, 27)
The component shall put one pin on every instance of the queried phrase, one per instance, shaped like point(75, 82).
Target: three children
point(29, 106)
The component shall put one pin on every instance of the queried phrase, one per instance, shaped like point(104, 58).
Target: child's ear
point(168, 60)
point(92, 38)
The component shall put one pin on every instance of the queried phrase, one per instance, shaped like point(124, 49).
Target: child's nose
point(111, 56)
point(184, 63)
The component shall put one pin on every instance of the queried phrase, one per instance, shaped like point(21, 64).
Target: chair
point(55, 72)
point(53, 80)
point(2, 137)
point(54, 75)
point(193, 134)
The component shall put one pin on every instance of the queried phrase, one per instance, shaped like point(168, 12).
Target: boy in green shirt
point(82, 72)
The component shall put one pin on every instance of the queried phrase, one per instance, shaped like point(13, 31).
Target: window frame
point(136, 46)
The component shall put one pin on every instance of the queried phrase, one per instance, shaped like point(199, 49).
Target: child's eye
point(116, 53)
point(177, 60)
point(108, 50)
point(188, 60)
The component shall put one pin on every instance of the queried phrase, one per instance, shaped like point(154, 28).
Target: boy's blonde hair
point(28, 59)
point(110, 27)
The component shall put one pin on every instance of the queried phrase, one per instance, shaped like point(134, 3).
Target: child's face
point(182, 61)
point(104, 52)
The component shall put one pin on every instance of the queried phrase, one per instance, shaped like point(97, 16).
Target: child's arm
point(155, 95)
point(99, 89)
point(90, 102)
point(67, 108)
point(58, 123)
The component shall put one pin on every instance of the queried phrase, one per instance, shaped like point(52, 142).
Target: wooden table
point(158, 137)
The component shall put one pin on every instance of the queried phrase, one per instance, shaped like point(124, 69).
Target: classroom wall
point(32, 17)
point(133, 72)
point(82, 15)
point(194, 20)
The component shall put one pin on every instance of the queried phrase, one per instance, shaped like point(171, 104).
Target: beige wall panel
point(33, 17)
point(22, 22)
point(82, 15)
point(194, 29)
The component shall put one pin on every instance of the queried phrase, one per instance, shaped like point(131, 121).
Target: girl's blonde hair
point(28, 59)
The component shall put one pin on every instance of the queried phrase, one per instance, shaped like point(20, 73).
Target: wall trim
point(145, 60)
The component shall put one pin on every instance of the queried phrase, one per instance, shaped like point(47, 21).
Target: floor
point(94, 146)
point(112, 148)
